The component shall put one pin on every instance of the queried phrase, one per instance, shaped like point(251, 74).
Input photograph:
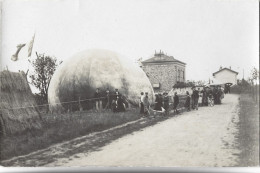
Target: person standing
point(195, 98)
point(192, 99)
point(215, 95)
point(160, 101)
point(146, 104)
point(175, 103)
point(156, 105)
point(120, 104)
point(107, 99)
point(187, 101)
point(166, 103)
point(116, 94)
point(98, 100)
point(142, 103)
point(204, 97)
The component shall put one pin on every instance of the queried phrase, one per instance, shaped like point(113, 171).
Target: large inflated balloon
point(80, 75)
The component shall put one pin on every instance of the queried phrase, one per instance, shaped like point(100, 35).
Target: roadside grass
point(248, 137)
point(63, 127)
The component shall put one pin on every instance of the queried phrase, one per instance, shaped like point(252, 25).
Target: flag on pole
point(15, 56)
point(30, 47)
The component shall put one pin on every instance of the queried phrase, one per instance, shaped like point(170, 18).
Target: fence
point(83, 105)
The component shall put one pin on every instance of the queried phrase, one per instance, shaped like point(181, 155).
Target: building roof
point(162, 58)
point(225, 69)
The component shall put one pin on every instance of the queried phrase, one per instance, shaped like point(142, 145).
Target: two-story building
point(164, 71)
point(226, 75)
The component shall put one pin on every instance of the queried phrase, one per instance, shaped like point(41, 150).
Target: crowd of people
point(206, 97)
point(110, 100)
point(115, 101)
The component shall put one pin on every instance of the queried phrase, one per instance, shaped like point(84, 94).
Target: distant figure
point(166, 103)
point(210, 97)
point(195, 98)
point(160, 101)
point(175, 103)
point(107, 99)
point(187, 102)
point(116, 94)
point(114, 106)
point(142, 103)
point(228, 89)
point(215, 94)
point(156, 105)
point(146, 104)
point(204, 97)
point(98, 100)
point(120, 104)
point(200, 97)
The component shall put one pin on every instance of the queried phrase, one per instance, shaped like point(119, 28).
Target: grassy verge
point(62, 127)
point(248, 137)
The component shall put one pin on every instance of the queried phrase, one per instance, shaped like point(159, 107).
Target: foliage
point(254, 74)
point(183, 84)
point(44, 68)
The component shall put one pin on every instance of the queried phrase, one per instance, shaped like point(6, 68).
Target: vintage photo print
point(129, 83)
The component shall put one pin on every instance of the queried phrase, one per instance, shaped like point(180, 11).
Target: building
point(164, 71)
point(226, 75)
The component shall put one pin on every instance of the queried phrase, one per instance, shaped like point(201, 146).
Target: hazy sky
point(203, 33)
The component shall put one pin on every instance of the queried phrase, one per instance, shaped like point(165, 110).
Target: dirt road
point(198, 138)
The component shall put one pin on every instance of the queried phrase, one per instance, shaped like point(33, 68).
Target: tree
point(254, 78)
point(44, 67)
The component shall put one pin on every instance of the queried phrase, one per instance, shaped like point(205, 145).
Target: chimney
point(220, 68)
point(230, 67)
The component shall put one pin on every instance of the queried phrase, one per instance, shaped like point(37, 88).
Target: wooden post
point(80, 107)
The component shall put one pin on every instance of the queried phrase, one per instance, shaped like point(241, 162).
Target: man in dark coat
point(156, 105)
point(195, 98)
point(215, 95)
point(175, 103)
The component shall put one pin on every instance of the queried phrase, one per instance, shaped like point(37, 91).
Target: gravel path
point(198, 138)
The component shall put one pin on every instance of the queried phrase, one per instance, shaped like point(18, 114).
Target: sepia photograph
point(129, 83)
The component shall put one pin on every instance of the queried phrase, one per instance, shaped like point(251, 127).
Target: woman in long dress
point(157, 105)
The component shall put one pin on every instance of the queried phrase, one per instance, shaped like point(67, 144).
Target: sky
point(205, 34)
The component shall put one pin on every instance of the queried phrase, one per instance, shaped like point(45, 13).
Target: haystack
point(17, 105)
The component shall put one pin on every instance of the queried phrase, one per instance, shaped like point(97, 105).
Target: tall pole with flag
point(30, 47)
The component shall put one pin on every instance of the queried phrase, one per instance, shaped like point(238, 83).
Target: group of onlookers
point(206, 96)
point(108, 100)
point(162, 103)
point(117, 102)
